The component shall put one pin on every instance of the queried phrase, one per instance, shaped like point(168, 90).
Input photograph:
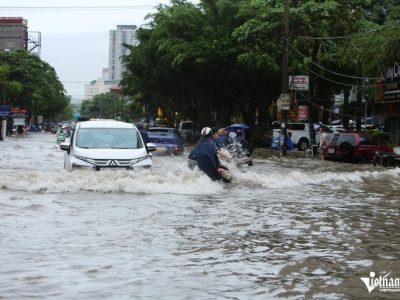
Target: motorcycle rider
point(204, 154)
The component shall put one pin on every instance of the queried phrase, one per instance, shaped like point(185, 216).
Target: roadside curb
point(265, 152)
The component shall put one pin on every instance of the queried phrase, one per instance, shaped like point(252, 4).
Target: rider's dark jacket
point(205, 153)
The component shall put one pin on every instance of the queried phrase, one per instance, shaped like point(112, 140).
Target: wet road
point(286, 228)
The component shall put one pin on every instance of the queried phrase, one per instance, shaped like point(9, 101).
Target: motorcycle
point(386, 159)
point(237, 153)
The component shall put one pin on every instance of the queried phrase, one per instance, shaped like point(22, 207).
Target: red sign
point(20, 111)
point(302, 112)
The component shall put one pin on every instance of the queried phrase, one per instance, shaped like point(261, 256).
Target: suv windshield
point(111, 138)
point(187, 125)
point(162, 131)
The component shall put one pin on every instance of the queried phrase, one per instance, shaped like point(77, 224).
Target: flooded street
point(286, 228)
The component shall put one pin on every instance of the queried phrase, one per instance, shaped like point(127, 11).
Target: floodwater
point(287, 228)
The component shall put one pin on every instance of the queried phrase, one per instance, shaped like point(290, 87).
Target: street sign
point(4, 111)
point(283, 102)
point(19, 112)
point(299, 83)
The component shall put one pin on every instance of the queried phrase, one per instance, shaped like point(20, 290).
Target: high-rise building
point(123, 35)
point(13, 33)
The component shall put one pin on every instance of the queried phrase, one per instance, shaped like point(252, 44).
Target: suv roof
point(105, 124)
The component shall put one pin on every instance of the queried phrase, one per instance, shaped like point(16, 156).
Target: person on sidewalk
point(323, 142)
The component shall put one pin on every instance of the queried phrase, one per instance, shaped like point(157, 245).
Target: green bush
point(382, 137)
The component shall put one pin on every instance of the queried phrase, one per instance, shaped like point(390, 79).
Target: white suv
point(300, 134)
point(185, 130)
point(104, 144)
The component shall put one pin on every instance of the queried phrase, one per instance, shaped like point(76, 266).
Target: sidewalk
point(266, 152)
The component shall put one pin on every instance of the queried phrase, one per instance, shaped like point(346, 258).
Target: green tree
point(8, 88)
point(110, 106)
point(41, 92)
point(219, 58)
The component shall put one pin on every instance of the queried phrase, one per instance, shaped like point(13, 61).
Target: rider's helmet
point(206, 131)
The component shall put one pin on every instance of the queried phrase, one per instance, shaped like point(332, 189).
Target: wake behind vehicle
point(166, 139)
point(103, 144)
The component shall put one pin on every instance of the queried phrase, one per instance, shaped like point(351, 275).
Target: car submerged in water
point(104, 144)
point(166, 139)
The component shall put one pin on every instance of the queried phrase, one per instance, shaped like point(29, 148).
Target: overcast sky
point(75, 39)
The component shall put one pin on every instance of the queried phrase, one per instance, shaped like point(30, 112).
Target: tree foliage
point(221, 59)
point(32, 83)
point(110, 106)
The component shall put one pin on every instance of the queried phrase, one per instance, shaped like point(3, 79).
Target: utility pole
point(285, 73)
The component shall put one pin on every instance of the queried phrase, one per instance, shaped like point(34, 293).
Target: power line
point(110, 7)
point(333, 72)
point(348, 36)
point(337, 82)
point(348, 84)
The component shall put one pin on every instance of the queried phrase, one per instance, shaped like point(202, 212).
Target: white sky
point(75, 41)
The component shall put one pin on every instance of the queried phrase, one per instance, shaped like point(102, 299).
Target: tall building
point(124, 34)
point(13, 33)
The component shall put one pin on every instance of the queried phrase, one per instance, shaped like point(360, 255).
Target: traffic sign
point(283, 102)
point(4, 111)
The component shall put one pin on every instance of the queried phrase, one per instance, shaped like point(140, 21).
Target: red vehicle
point(354, 147)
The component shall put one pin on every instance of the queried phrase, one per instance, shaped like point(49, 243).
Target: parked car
point(166, 139)
point(185, 130)
point(105, 144)
point(300, 134)
point(354, 147)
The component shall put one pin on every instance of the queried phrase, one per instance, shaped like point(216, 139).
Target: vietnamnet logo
point(384, 283)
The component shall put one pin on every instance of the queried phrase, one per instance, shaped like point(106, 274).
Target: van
point(185, 129)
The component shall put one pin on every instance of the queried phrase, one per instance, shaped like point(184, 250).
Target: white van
point(185, 129)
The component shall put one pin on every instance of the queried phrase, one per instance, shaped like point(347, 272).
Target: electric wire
point(108, 7)
point(365, 86)
point(348, 36)
point(333, 72)
point(337, 82)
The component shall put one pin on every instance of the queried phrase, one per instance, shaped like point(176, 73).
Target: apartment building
point(123, 35)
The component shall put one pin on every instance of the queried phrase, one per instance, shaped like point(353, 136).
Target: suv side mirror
point(65, 147)
point(151, 147)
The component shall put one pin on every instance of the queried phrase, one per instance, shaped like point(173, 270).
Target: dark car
point(167, 140)
point(354, 147)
